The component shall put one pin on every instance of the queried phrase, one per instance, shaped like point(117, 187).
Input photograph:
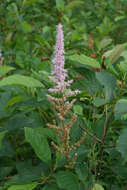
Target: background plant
point(95, 46)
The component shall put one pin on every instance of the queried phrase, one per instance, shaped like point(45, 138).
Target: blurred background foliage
point(28, 27)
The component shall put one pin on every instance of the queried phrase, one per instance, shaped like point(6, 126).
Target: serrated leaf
point(4, 69)
point(67, 180)
point(122, 144)
point(85, 60)
point(97, 187)
point(39, 144)
point(30, 186)
point(21, 80)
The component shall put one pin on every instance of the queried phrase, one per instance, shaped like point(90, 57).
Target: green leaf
point(78, 109)
point(59, 157)
point(123, 66)
point(73, 4)
point(26, 172)
point(49, 133)
point(21, 80)
point(120, 108)
point(115, 53)
point(122, 144)
point(99, 102)
point(15, 9)
point(5, 69)
point(39, 144)
point(108, 81)
point(111, 68)
point(30, 2)
point(42, 40)
point(2, 134)
point(97, 187)
point(27, 27)
point(67, 180)
point(13, 101)
point(124, 54)
point(124, 116)
point(120, 170)
point(5, 171)
point(23, 187)
point(60, 5)
point(103, 43)
point(85, 60)
point(50, 187)
point(82, 173)
point(6, 149)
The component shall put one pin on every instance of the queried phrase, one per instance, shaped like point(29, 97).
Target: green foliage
point(115, 53)
point(5, 69)
point(2, 134)
point(121, 144)
point(50, 187)
point(39, 143)
point(60, 5)
point(23, 187)
point(78, 110)
point(21, 80)
point(120, 108)
point(82, 173)
point(97, 187)
point(66, 179)
point(96, 59)
point(85, 60)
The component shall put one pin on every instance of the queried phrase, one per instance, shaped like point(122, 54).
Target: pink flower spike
point(59, 73)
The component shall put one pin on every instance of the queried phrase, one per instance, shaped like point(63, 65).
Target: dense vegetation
point(96, 59)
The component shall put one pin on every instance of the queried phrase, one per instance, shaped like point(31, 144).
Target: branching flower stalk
point(60, 102)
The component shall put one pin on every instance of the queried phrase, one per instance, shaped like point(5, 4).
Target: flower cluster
point(59, 72)
point(61, 104)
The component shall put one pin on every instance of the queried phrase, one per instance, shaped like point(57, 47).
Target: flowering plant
point(61, 104)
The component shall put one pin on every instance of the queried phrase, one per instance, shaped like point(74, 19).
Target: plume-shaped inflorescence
point(59, 72)
point(61, 103)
